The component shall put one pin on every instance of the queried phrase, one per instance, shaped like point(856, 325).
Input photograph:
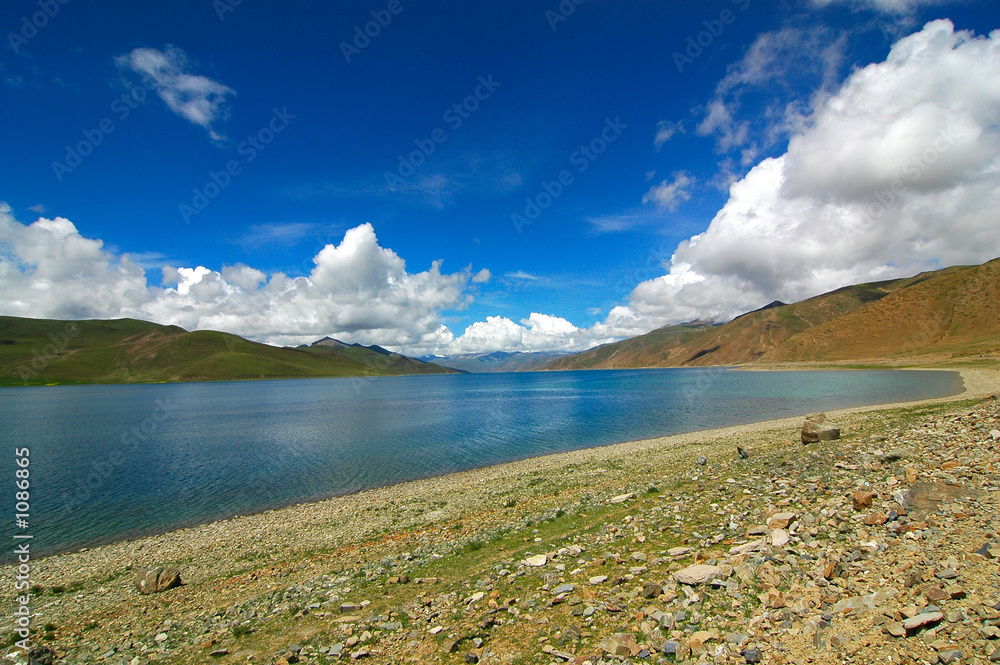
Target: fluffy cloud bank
point(357, 291)
point(543, 332)
point(897, 172)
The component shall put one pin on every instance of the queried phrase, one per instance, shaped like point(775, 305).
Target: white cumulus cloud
point(897, 172)
point(538, 332)
point(358, 291)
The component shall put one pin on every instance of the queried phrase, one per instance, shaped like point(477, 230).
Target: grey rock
point(816, 429)
point(698, 574)
point(157, 580)
point(651, 590)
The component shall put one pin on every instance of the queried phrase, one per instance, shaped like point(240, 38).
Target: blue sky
point(682, 101)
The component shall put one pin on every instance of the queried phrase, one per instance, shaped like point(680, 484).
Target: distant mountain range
point(376, 358)
point(39, 351)
point(941, 315)
point(497, 361)
point(945, 314)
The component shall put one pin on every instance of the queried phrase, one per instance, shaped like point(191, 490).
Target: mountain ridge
point(947, 313)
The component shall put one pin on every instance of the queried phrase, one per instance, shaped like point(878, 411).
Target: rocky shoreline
point(881, 543)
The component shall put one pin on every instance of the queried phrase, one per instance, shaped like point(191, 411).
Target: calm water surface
point(113, 462)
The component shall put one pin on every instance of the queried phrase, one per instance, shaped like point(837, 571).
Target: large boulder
point(816, 429)
point(157, 580)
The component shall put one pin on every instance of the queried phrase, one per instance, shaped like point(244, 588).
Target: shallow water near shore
point(114, 462)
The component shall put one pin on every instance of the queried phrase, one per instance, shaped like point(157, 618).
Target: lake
point(114, 462)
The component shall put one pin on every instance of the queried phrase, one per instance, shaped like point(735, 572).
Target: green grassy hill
point(43, 351)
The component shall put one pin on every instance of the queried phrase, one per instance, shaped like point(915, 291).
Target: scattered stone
point(598, 579)
point(742, 453)
point(42, 655)
point(781, 520)
point(570, 634)
point(862, 499)
point(698, 574)
point(746, 548)
point(920, 620)
point(651, 590)
point(678, 551)
point(537, 561)
point(876, 519)
point(701, 461)
point(779, 538)
point(896, 629)
point(949, 656)
point(472, 657)
point(157, 580)
point(622, 498)
point(816, 429)
point(751, 655)
point(895, 455)
point(563, 588)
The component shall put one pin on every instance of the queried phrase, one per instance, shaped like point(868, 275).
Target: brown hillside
point(663, 347)
point(743, 340)
point(952, 312)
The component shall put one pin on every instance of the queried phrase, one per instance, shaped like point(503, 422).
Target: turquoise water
point(114, 462)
